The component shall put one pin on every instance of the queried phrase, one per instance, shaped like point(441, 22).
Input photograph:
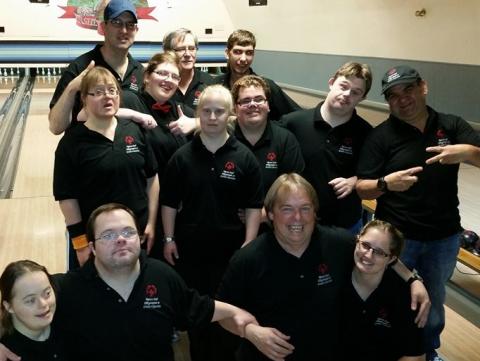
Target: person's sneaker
point(433, 356)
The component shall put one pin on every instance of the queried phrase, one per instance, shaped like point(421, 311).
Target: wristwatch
point(414, 277)
point(167, 239)
point(382, 185)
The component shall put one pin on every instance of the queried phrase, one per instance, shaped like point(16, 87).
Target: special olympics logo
point(230, 166)
point(322, 268)
point(151, 291)
point(271, 156)
point(129, 140)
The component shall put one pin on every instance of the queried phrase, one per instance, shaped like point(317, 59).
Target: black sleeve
point(373, 155)
point(280, 103)
point(171, 190)
point(70, 73)
point(465, 134)
point(292, 160)
point(253, 187)
point(65, 172)
point(151, 166)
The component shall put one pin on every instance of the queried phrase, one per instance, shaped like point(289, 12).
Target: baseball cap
point(116, 7)
point(402, 74)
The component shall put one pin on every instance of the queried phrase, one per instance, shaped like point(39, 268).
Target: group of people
point(196, 169)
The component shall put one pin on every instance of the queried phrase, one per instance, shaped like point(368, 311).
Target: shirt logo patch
point(151, 298)
point(131, 147)
point(382, 319)
point(442, 138)
point(271, 161)
point(346, 146)
point(324, 277)
point(228, 171)
point(133, 83)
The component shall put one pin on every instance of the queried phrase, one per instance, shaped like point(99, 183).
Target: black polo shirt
point(277, 152)
point(130, 84)
point(209, 188)
point(381, 328)
point(298, 296)
point(100, 325)
point(330, 153)
point(279, 102)
point(199, 82)
point(94, 170)
point(164, 142)
point(429, 209)
point(52, 349)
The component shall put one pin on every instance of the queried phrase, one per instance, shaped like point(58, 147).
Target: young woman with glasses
point(378, 323)
point(106, 159)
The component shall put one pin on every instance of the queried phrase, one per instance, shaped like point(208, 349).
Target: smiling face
point(252, 108)
point(33, 303)
point(120, 252)
point(366, 259)
point(293, 217)
point(408, 102)
point(345, 94)
point(162, 82)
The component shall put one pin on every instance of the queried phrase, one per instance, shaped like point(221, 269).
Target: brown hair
point(352, 69)
point(241, 37)
point(397, 240)
point(10, 275)
point(95, 76)
point(248, 81)
point(168, 57)
point(289, 181)
point(106, 208)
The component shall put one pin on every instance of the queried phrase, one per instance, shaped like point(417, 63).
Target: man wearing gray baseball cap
point(410, 163)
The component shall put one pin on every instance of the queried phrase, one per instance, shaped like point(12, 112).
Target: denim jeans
point(435, 261)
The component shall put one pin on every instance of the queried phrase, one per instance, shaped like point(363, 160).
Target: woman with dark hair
point(27, 310)
point(106, 159)
point(378, 323)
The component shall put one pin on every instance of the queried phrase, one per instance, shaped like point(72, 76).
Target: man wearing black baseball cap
point(410, 163)
point(119, 27)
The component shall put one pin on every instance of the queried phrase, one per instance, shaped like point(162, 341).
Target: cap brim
point(398, 82)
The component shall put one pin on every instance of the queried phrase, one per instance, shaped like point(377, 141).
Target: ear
point(8, 307)
point(226, 53)
point(270, 216)
point(424, 87)
point(330, 83)
point(92, 248)
point(393, 259)
point(101, 27)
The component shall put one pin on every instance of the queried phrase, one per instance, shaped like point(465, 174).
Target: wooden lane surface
point(31, 224)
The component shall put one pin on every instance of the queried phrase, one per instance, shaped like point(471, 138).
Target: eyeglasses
point(119, 24)
point(99, 92)
point(255, 101)
point(164, 74)
point(366, 246)
point(110, 236)
point(181, 50)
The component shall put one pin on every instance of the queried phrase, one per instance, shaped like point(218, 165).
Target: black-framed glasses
point(255, 101)
point(181, 50)
point(164, 74)
point(119, 24)
point(111, 236)
point(101, 92)
point(366, 246)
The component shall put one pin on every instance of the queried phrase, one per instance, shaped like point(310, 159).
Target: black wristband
point(76, 229)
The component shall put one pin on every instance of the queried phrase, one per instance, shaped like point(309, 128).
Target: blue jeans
point(435, 261)
point(355, 228)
